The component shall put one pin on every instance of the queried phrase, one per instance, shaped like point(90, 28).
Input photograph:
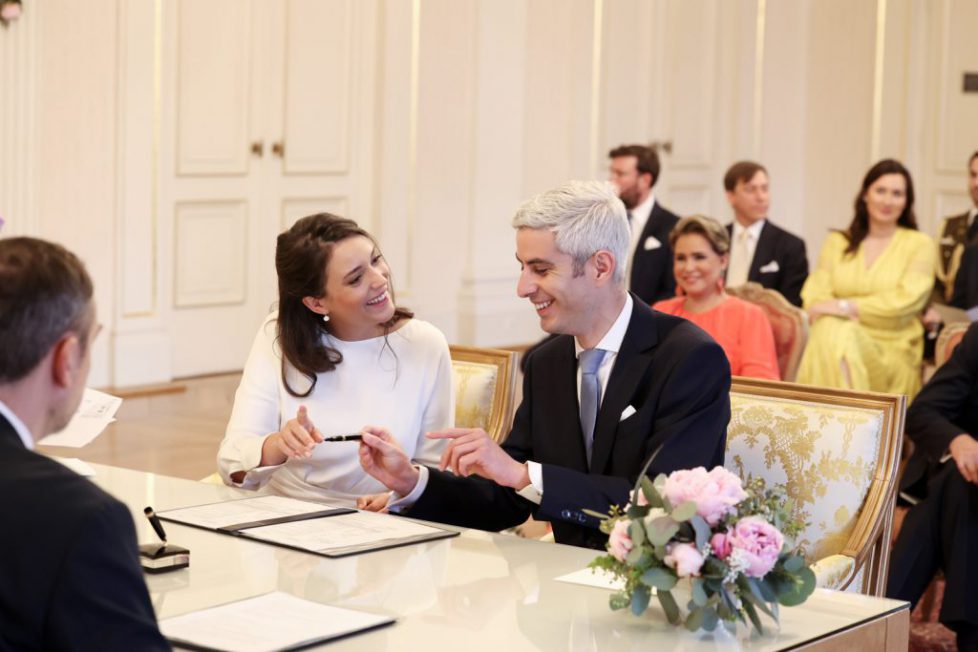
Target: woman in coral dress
point(701, 249)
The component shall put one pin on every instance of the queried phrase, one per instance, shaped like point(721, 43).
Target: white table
point(477, 591)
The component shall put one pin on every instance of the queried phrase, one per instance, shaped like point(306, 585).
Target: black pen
point(154, 520)
point(356, 437)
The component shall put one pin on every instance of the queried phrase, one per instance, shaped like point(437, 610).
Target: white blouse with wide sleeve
point(402, 382)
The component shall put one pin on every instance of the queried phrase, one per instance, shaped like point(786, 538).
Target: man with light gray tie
point(619, 382)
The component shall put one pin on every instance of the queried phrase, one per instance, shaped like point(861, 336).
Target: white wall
point(462, 109)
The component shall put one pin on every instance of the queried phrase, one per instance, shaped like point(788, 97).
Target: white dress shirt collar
point(611, 342)
point(753, 231)
point(14, 420)
point(640, 214)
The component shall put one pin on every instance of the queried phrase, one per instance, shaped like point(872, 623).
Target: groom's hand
point(382, 458)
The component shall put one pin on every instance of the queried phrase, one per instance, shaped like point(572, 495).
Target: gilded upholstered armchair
point(485, 384)
point(789, 323)
point(837, 452)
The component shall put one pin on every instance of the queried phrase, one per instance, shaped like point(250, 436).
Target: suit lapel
point(8, 435)
point(631, 364)
point(763, 252)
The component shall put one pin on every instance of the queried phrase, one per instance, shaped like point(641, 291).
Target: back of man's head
point(585, 217)
point(45, 293)
point(646, 159)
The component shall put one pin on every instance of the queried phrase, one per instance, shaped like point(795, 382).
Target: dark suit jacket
point(69, 567)
point(788, 251)
point(651, 274)
point(966, 280)
point(946, 407)
point(674, 375)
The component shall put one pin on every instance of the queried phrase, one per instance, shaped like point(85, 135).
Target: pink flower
point(619, 543)
point(9, 11)
point(720, 543)
point(755, 545)
point(684, 558)
point(716, 492)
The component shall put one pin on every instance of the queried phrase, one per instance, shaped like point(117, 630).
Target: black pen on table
point(154, 520)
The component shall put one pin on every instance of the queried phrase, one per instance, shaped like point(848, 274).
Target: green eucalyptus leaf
point(754, 618)
point(619, 601)
point(662, 579)
point(669, 606)
point(634, 556)
point(662, 529)
point(684, 512)
point(702, 530)
point(699, 592)
point(640, 600)
point(597, 515)
point(636, 512)
point(648, 490)
point(767, 591)
point(710, 618)
point(794, 564)
point(694, 620)
point(803, 587)
point(636, 531)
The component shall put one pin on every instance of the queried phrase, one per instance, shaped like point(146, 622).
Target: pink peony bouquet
point(731, 542)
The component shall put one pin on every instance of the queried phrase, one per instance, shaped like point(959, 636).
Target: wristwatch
point(844, 306)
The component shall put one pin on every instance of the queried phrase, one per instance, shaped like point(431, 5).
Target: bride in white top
point(336, 357)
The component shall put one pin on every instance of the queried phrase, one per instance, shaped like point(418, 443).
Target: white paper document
point(96, 411)
point(595, 577)
point(346, 531)
point(248, 510)
point(274, 621)
point(324, 529)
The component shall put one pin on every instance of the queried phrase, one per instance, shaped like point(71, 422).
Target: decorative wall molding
point(19, 68)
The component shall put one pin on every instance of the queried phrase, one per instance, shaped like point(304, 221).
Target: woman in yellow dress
point(867, 292)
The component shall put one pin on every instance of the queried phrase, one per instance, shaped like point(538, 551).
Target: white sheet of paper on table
point(273, 621)
point(595, 577)
point(96, 411)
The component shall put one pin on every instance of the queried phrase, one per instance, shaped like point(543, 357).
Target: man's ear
point(65, 359)
point(604, 265)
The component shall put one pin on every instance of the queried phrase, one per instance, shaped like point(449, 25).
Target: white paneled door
point(263, 102)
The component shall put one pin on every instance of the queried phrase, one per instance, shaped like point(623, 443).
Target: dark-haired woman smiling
point(866, 293)
point(337, 356)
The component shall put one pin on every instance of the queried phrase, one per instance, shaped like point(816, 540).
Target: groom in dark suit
point(68, 559)
point(761, 251)
point(618, 383)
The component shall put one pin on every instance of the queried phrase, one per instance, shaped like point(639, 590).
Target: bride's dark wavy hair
point(301, 256)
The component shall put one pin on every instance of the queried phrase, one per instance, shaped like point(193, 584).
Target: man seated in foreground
point(941, 479)
point(68, 557)
point(620, 383)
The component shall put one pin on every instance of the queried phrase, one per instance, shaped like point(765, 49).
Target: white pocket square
point(770, 268)
point(651, 242)
point(627, 412)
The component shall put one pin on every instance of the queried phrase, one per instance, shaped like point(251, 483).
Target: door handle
point(258, 148)
point(278, 149)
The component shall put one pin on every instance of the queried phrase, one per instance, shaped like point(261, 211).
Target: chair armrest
point(834, 571)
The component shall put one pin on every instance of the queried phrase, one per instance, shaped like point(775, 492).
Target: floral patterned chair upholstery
point(485, 383)
point(837, 451)
point(789, 323)
point(949, 338)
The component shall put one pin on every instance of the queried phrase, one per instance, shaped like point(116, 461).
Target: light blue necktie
point(589, 361)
